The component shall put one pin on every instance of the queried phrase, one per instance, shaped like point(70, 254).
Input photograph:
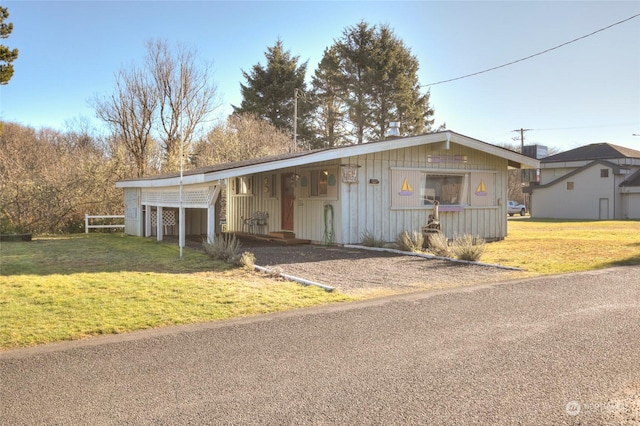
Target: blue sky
point(585, 92)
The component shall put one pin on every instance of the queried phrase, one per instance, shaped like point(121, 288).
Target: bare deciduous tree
point(49, 180)
point(129, 112)
point(187, 97)
point(167, 100)
point(243, 136)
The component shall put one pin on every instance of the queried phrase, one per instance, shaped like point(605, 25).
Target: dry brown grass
point(551, 247)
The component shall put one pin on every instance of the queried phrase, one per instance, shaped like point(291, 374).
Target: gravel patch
point(353, 270)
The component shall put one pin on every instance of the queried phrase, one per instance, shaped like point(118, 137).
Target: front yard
point(553, 247)
point(73, 287)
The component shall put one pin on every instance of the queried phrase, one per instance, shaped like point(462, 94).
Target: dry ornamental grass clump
point(229, 249)
point(370, 240)
point(248, 259)
point(439, 245)
point(468, 247)
point(410, 242)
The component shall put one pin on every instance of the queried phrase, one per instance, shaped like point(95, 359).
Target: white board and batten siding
point(265, 195)
point(374, 205)
point(262, 194)
point(133, 218)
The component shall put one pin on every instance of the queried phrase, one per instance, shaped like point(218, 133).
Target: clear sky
point(582, 93)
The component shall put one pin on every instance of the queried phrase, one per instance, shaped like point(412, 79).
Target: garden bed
point(15, 237)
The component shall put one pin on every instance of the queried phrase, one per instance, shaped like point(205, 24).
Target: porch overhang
point(196, 198)
point(181, 198)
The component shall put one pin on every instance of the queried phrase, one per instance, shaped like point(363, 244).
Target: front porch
point(281, 237)
point(248, 240)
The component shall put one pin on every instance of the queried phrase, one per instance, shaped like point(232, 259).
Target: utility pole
point(181, 216)
point(521, 130)
point(297, 93)
point(295, 119)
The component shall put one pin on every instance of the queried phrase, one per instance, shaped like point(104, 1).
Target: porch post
point(159, 224)
point(181, 232)
point(211, 223)
point(211, 211)
point(147, 221)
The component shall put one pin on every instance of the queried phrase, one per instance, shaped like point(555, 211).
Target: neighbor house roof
point(616, 170)
point(634, 180)
point(265, 164)
point(595, 151)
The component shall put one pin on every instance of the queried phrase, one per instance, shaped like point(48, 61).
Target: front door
point(287, 199)
point(604, 209)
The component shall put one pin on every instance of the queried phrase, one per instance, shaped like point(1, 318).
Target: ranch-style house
point(335, 195)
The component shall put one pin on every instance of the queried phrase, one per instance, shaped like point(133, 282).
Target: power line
point(531, 56)
point(590, 127)
point(521, 131)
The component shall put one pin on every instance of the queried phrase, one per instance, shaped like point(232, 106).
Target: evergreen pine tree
point(330, 110)
point(7, 56)
point(355, 51)
point(377, 84)
point(270, 90)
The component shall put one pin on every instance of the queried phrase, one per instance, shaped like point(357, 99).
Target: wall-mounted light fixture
point(295, 177)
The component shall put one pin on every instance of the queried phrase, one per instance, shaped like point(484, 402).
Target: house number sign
point(350, 173)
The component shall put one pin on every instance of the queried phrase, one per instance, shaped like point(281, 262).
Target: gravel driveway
point(352, 270)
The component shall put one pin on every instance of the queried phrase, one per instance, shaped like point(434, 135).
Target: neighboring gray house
point(596, 182)
point(337, 194)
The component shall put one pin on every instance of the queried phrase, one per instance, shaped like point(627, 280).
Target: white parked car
point(516, 208)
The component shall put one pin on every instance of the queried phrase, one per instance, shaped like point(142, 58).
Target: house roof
point(633, 180)
point(226, 166)
point(595, 151)
point(264, 164)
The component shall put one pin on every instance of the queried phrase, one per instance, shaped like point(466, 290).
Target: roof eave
point(515, 159)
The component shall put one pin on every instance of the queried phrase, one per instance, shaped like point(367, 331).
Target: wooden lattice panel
point(195, 198)
point(168, 218)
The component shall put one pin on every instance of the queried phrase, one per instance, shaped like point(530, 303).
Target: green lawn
point(72, 287)
point(552, 247)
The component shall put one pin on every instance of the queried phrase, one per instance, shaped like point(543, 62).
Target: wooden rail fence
point(88, 225)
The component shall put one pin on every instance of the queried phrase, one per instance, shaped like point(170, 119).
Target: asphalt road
point(554, 350)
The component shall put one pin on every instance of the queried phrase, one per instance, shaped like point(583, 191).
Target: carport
point(154, 211)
